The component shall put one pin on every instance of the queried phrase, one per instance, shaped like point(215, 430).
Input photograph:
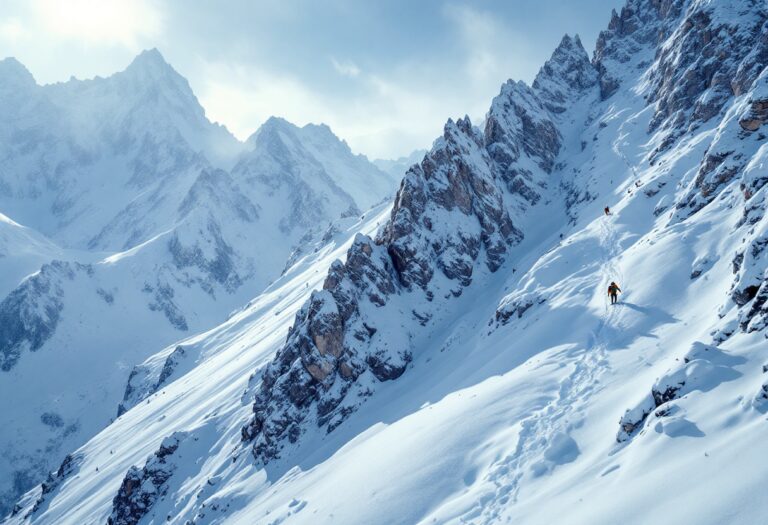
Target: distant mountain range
point(131, 221)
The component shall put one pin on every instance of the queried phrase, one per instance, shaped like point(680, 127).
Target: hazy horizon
point(384, 77)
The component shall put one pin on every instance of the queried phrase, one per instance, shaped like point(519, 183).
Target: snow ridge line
point(544, 440)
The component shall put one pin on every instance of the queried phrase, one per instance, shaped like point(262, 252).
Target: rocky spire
point(519, 129)
point(566, 76)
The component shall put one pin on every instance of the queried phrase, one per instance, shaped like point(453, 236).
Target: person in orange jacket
point(613, 292)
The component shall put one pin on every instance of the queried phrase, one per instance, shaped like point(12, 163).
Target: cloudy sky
point(384, 75)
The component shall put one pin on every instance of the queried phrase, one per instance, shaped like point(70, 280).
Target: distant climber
point(613, 292)
point(607, 210)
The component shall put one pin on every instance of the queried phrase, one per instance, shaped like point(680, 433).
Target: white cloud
point(389, 109)
point(242, 97)
point(492, 50)
point(347, 69)
point(12, 30)
point(114, 22)
point(382, 119)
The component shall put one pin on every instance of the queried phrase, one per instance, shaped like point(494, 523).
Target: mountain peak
point(568, 70)
point(275, 122)
point(270, 126)
point(14, 74)
point(569, 42)
point(309, 133)
point(150, 57)
point(151, 65)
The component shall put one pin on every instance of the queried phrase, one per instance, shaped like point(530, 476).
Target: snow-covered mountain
point(460, 362)
point(131, 221)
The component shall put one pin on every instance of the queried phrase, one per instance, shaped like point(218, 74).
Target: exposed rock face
point(635, 29)
point(520, 131)
point(702, 367)
point(750, 287)
point(566, 76)
point(716, 50)
point(451, 181)
point(29, 315)
point(334, 355)
point(146, 379)
point(142, 487)
point(70, 465)
point(516, 305)
point(314, 377)
point(756, 112)
point(729, 155)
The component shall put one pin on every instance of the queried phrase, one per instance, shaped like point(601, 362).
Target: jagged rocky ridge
point(473, 180)
point(314, 381)
point(692, 75)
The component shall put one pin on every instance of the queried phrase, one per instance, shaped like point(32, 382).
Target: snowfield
point(452, 357)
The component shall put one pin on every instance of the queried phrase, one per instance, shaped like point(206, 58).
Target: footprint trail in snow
point(544, 439)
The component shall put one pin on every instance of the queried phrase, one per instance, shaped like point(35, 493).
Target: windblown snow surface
point(523, 396)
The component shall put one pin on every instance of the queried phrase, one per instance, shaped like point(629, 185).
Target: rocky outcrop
point(162, 301)
point(631, 36)
point(331, 353)
point(756, 117)
point(712, 52)
point(30, 314)
point(755, 114)
point(702, 368)
point(456, 178)
point(750, 287)
point(731, 155)
point(335, 353)
point(517, 304)
point(454, 212)
point(142, 487)
point(212, 256)
point(519, 130)
point(566, 77)
point(147, 378)
point(70, 465)
point(699, 55)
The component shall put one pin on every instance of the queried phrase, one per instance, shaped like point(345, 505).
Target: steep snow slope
point(259, 326)
point(465, 366)
point(166, 245)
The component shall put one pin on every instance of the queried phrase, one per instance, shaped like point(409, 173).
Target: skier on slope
point(607, 210)
point(613, 292)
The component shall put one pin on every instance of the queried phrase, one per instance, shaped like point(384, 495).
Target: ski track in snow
point(544, 439)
